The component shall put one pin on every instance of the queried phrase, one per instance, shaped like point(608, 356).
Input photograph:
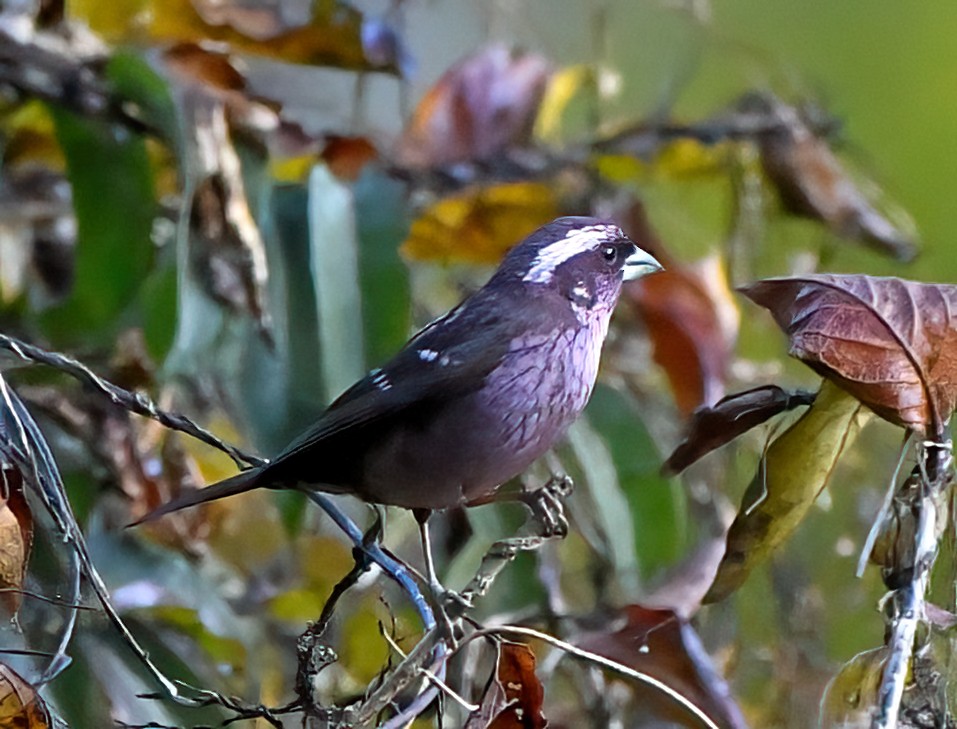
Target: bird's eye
point(610, 253)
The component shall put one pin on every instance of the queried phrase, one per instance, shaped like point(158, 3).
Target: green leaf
point(794, 472)
point(335, 272)
point(604, 504)
point(382, 224)
point(137, 83)
point(112, 184)
point(656, 504)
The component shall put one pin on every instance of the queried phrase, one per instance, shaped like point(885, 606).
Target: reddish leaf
point(480, 107)
point(666, 647)
point(890, 343)
point(713, 427)
point(693, 324)
point(812, 182)
point(513, 699)
point(20, 706)
point(348, 156)
point(194, 64)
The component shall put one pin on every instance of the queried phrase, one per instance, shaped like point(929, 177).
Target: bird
point(474, 398)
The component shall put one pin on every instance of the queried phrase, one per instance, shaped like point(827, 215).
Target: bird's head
point(584, 260)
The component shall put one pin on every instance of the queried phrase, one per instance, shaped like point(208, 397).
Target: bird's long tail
point(240, 483)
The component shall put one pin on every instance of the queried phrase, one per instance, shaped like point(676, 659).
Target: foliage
point(192, 222)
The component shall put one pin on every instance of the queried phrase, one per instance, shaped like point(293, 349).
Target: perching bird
point(475, 397)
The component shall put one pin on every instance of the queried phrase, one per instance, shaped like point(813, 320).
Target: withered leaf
point(513, 698)
point(482, 106)
point(889, 342)
point(16, 535)
point(663, 645)
point(693, 324)
point(812, 182)
point(227, 251)
point(714, 426)
point(20, 705)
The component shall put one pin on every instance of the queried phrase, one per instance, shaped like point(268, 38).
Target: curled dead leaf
point(227, 252)
point(812, 182)
point(889, 342)
point(714, 426)
point(16, 535)
point(482, 106)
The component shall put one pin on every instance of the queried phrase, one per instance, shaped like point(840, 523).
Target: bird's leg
point(422, 517)
point(447, 602)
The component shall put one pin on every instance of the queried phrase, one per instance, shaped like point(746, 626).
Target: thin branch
point(135, 402)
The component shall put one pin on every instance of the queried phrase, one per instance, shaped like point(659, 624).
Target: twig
point(142, 405)
point(135, 402)
point(439, 683)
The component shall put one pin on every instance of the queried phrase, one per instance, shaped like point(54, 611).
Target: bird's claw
point(548, 508)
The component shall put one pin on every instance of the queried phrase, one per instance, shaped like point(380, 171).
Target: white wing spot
point(577, 240)
point(428, 355)
point(381, 380)
point(444, 360)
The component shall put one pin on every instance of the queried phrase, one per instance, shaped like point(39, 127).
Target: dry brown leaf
point(812, 182)
point(481, 107)
point(513, 699)
point(714, 426)
point(891, 343)
point(692, 322)
point(662, 645)
point(480, 224)
point(16, 536)
point(20, 705)
point(227, 250)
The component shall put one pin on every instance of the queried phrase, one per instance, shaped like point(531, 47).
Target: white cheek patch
point(576, 241)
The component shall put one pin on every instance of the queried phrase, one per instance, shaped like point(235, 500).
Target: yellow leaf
point(292, 169)
point(30, 137)
point(681, 159)
point(297, 606)
point(851, 695)
point(796, 468)
point(480, 224)
point(562, 88)
point(114, 20)
point(364, 651)
point(690, 158)
point(620, 168)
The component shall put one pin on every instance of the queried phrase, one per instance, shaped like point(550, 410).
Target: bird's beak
point(640, 263)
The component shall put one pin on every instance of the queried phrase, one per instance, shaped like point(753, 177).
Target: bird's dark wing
point(450, 357)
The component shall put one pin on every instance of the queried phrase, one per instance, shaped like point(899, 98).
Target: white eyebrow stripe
point(576, 241)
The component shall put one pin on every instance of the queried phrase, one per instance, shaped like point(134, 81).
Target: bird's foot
point(547, 505)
